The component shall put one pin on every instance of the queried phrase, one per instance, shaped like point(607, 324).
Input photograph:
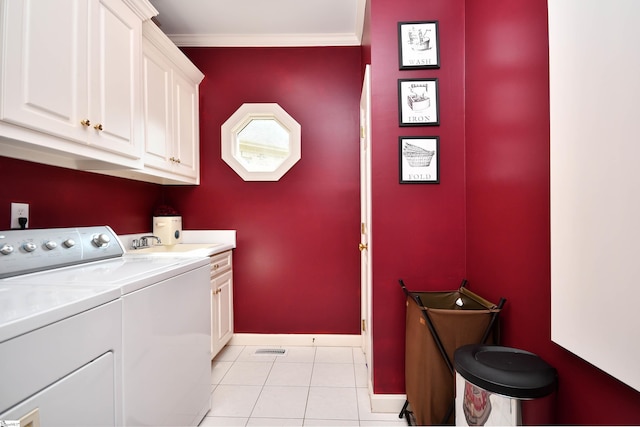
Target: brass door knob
point(363, 246)
point(98, 126)
point(85, 122)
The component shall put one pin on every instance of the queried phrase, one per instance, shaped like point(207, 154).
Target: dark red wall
point(60, 197)
point(296, 266)
point(418, 229)
point(507, 157)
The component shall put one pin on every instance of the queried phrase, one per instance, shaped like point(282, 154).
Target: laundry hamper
point(437, 323)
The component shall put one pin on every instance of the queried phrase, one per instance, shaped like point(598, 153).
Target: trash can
point(437, 323)
point(503, 386)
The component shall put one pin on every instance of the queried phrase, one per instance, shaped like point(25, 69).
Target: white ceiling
point(261, 22)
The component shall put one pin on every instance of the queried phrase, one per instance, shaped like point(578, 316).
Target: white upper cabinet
point(186, 125)
point(46, 72)
point(71, 78)
point(171, 111)
point(114, 76)
point(157, 106)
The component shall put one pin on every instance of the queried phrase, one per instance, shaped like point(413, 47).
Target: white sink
point(195, 249)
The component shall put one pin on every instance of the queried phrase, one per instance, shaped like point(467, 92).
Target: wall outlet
point(19, 210)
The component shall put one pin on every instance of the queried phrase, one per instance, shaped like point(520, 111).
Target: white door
point(114, 75)
point(36, 94)
point(365, 217)
point(157, 104)
point(222, 316)
point(186, 132)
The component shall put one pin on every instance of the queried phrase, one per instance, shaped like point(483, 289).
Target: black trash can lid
point(507, 371)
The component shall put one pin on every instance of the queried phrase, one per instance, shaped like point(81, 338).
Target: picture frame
point(419, 159)
point(418, 45)
point(418, 102)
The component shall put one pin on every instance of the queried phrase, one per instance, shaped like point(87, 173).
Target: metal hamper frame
point(453, 319)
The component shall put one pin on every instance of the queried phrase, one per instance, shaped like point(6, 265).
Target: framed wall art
point(418, 45)
point(419, 159)
point(418, 102)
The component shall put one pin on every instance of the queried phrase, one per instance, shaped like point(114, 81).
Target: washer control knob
point(69, 243)
point(50, 244)
point(29, 246)
point(6, 249)
point(101, 240)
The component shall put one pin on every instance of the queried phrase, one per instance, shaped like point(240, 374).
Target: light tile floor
point(309, 386)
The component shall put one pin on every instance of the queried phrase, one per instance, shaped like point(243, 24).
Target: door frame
point(365, 222)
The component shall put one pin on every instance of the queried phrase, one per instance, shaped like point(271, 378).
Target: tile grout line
point(306, 403)
point(261, 390)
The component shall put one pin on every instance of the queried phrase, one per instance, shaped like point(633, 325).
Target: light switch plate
point(19, 210)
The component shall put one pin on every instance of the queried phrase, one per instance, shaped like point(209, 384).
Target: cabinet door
point(45, 76)
point(186, 119)
point(114, 75)
point(170, 107)
point(222, 311)
point(157, 107)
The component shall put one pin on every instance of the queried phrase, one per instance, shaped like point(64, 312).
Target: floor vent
point(270, 352)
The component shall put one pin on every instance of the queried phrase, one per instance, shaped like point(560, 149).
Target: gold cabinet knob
point(174, 159)
point(98, 126)
point(363, 246)
point(85, 122)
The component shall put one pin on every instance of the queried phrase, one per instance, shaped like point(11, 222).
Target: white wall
point(594, 55)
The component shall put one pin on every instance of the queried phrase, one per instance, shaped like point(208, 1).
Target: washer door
point(84, 398)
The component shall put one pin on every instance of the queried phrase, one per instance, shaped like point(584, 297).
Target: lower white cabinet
point(221, 301)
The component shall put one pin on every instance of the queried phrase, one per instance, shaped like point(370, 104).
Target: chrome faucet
point(143, 242)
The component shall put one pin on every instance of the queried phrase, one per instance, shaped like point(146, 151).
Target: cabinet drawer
point(220, 263)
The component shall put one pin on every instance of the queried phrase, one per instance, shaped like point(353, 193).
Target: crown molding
point(143, 8)
point(154, 35)
point(265, 40)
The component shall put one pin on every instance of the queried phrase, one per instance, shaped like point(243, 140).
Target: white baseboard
point(326, 340)
point(385, 403)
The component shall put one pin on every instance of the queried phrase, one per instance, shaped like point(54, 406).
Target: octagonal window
point(260, 142)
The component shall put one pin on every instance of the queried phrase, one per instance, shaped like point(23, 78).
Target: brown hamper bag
point(437, 324)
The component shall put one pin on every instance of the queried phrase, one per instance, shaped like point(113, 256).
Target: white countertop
point(195, 243)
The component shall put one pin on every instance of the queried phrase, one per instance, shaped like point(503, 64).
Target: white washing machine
point(90, 336)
